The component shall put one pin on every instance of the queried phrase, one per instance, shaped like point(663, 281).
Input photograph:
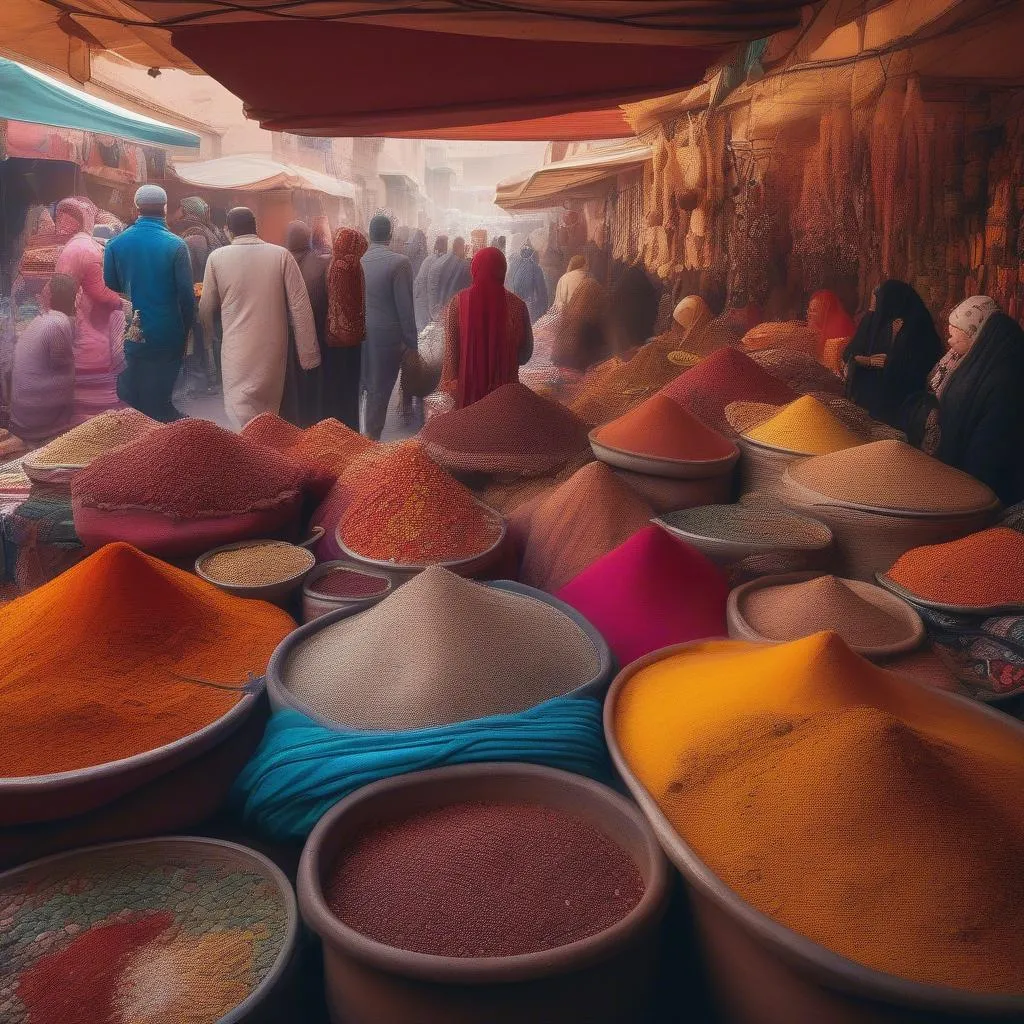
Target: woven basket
point(741, 629)
point(762, 467)
point(868, 541)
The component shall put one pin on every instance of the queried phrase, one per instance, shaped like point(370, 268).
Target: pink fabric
point(650, 592)
point(488, 357)
point(99, 328)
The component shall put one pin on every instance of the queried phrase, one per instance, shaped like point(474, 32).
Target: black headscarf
point(981, 411)
point(910, 356)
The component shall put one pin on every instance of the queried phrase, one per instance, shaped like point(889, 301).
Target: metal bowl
point(675, 469)
point(315, 603)
point(276, 592)
point(980, 611)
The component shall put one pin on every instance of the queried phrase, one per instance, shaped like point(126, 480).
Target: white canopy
point(253, 173)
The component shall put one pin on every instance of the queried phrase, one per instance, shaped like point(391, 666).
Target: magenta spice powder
point(483, 879)
point(349, 583)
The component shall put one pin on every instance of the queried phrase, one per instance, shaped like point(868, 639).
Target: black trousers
point(147, 384)
point(340, 378)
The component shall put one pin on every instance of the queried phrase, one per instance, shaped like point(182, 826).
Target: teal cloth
point(302, 769)
point(27, 95)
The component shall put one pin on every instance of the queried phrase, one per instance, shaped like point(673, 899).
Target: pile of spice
point(829, 793)
point(190, 469)
point(790, 611)
point(439, 650)
point(801, 371)
point(787, 335)
point(140, 934)
point(507, 495)
point(404, 508)
point(650, 592)
point(590, 514)
point(661, 428)
point(511, 431)
point(983, 570)
point(257, 565)
point(483, 880)
point(99, 664)
point(349, 583)
point(95, 437)
point(806, 427)
point(753, 522)
point(891, 475)
point(329, 445)
point(271, 430)
point(726, 376)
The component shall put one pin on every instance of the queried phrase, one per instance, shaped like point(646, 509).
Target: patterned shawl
point(346, 291)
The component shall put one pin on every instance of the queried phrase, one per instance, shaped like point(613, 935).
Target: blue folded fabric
point(302, 768)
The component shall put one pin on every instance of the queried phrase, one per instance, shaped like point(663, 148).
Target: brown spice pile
point(257, 565)
point(101, 434)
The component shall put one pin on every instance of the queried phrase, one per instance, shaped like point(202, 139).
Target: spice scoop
point(264, 570)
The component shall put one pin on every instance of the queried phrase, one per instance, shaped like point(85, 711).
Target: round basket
point(46, 798)
point(316, 603)
point(766, 973)
point(981, 611)
point(282, 699)
point(667, 495)
point(673, 469)
point(189, 881)
point(869, 540)
point(276, 592)
point(741, 629)
point(602, 979)
point(472, 566)
point(762, 467)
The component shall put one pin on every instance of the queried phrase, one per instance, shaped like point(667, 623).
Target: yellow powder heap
point(843, 801)
point(805, 426)
point(891, 475)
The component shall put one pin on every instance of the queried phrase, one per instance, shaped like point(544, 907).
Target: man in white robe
point(256, 287)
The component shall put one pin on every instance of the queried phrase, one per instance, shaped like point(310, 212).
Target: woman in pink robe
point(99, 325)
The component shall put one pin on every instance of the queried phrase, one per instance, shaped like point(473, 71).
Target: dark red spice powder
point(78, 983)
point(511, 430)
point(187, 469)
point(726, 376)
point(349, 583)
point(483, 879)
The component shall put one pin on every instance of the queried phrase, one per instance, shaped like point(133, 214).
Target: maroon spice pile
point(726, 376)
point(512, 430)
point(348, 583)
point(483, 879)
point(189, 469)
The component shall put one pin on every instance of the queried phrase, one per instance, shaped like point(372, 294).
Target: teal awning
point(26, 95)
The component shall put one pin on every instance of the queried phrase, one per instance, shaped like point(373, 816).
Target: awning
point(260, 174)
point(374, 67)
point(609, 123)
point(579, 177)
point(27, 95)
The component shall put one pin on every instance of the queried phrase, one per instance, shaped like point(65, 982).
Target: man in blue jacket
point(150, 265)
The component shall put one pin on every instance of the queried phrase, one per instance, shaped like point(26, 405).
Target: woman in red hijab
point(346, 328)
point(487, 333)
point(829, 320)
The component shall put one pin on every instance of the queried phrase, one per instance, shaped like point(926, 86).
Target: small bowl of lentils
point(266, 570)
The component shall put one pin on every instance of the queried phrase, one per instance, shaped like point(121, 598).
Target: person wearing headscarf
point(346, 327)
point(972, 417)
point(416, 250)
point(421, 284)
point(829, 320)
point(632, 310)
point(553, 261)
point(487, 333)
point(43, 375)
point(302, 403)
point(258, 291)
point(526, 279)
point(574, 276)
point(99, 323)
point(580, 330)
point(150, 265)
point(449, 276)
point(321, 240)
point(892, 353)
point(689, 317)
point(390, 324)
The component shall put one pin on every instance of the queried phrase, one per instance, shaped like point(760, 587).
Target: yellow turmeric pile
point(841, 801)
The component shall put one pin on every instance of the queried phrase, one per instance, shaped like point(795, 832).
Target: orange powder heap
point(270, 430)
point(664, 429)
point(401, 507)
point(92, 663)
point(983, 570)
point(848, 804)
point(329, 445)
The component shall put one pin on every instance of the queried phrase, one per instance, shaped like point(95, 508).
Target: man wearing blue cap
point(150, 265)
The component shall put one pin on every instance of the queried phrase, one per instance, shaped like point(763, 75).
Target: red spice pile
point(190, 469)
point(329, 445)
point(483, 879)
point(404, 508)
point(726, 376)
point(272, 431)
point(512, 430)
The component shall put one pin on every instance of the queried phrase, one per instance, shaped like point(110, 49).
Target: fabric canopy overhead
point(580, 177)
point(260, 174)
point(27, 95)
point(584, 124)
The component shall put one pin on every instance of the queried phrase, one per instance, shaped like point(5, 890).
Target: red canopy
point(351, 79)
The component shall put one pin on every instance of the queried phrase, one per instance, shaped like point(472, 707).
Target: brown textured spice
point(256, 565)
point(101, 434)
